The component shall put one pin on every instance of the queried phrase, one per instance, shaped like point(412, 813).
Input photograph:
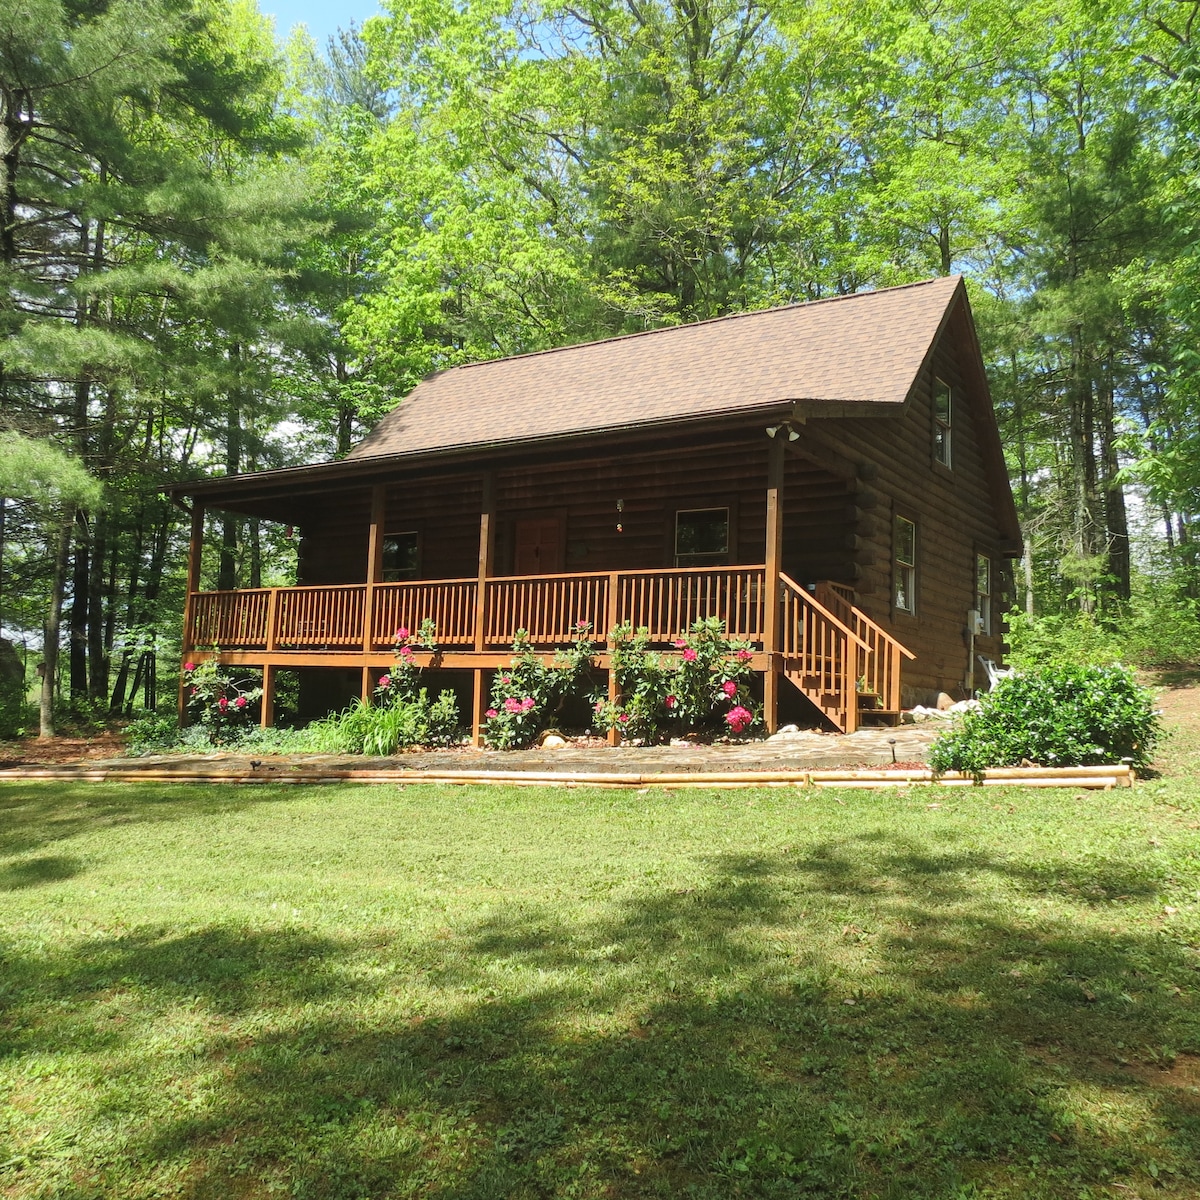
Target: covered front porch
point(810, 636)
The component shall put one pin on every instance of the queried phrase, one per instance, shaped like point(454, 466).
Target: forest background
point(224, 253)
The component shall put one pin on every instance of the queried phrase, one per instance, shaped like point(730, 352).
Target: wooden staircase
point(837, 657)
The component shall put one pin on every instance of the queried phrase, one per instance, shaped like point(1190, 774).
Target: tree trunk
point(97, 651)
point(227, 566)
point(80, 577)
point(53, 627)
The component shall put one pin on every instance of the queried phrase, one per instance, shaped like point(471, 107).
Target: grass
point(459, 993)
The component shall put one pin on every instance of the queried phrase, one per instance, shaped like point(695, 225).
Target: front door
point(538, 546)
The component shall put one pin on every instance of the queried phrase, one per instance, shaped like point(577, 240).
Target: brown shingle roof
point(864, 348)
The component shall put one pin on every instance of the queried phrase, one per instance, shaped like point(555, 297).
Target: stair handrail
point(814, 603)
point(860, 616)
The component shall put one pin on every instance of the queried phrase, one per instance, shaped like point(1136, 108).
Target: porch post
point(487, 563)
point(771, 631)
point(195, 548)
point(267, 708)
point(374, 576)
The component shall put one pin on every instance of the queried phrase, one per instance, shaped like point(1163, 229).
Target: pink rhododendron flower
point(512, 705)
point(738, 718)
point(744, 656)
point(222, 704)
point(671, 701)
point(689, 655)
point(401, 634)
point(189, 666)
point(506, 679)
point(385, 681)
point(491, 714)
point(623, 718)
point(195, 690)
point(729, 688)
point(406, 652)
point(527, 704)
point(679, 643)
point(240, 702)
point(598, 706)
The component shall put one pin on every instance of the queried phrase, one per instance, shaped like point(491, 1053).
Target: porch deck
point(826, 647)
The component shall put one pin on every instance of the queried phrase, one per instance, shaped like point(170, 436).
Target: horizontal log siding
point(955, 519)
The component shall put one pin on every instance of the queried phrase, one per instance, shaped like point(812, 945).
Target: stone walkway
point(803, 750)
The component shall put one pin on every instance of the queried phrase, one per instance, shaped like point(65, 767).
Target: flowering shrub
point(216, 700)
point(528, 695)
point(401, 714)
point(705, 687)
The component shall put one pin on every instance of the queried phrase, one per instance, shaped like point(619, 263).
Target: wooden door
point(538, 545)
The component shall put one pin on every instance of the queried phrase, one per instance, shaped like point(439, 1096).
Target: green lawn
point(366, 992)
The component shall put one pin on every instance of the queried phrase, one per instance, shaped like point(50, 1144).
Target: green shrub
point(528, 695)
point(152, 733)
point(703, 688)
point(1062, 639)
point(1059, 716)
point(17, 715)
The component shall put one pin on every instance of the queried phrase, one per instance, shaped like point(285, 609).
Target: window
point(702, 537)
point(401, 557)
point(942, 419)
point(983, 593)
point(905, 589)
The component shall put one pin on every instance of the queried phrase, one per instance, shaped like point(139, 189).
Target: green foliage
point(1062, 639)
point(221, 703)
point(37, 470)
point(152, 733)
point(384, 728)
point(530, 694)
point(703, 687)
point(1059, 716)
point(17, 715)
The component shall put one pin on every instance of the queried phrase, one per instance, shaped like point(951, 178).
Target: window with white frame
point(702, 537)
point(904, 590)
point(943, 418)
point(983, 593)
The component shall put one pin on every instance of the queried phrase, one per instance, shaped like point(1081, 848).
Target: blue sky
point(323, 17)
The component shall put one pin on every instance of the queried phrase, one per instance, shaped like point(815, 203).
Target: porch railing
point(830, 649)
point(548, 607)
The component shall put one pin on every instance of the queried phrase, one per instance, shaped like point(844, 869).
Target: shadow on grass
point(909, 1043)
point(50, 868)
point(33, 815)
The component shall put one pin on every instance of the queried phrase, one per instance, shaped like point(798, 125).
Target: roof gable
point(867, 348)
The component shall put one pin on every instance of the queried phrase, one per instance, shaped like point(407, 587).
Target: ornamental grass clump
point(702, 687)
point(1060, 716)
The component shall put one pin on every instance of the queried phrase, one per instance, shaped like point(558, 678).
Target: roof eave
point(363, 469)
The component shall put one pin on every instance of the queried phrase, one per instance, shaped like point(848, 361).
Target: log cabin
point(826, 478)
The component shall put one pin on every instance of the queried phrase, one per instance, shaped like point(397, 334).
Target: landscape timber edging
point(1103, 777)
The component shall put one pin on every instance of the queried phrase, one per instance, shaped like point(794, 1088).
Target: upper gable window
point(943, 421)
point(702, 537)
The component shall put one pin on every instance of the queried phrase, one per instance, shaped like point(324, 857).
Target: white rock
point(552, 741)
